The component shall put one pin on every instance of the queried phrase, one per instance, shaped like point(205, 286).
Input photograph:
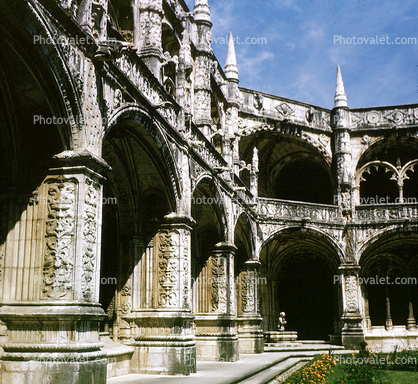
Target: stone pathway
point(250, 369)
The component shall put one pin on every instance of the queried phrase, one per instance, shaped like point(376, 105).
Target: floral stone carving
point(58, 268)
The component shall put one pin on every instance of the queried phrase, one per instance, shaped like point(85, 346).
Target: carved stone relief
point(58, 266)
point(219, 283)
point(351, 294)
point(186, 270)
point(248, 286)
point(90, 235)
point(167, 270)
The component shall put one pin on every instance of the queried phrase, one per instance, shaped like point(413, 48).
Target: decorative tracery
point(398, 174)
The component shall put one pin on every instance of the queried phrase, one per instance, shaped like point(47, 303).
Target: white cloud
point(300, 57)
point(250, 64)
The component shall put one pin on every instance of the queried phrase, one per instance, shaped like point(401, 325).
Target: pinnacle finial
point(201, 11)
point(231, 68)
point(340, 98)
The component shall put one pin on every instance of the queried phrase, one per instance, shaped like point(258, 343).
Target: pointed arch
point(141, 117)
point(299, 266)
point(332, 245)
point(214, 193)
point(48, 64)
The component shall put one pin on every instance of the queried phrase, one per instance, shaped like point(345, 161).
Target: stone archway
point(388, 279)
point(287, 164)
point(212, 277)
point(301, 270)
point(305, 292)
point(386, 173)
point(247, 284)
point(146, 250)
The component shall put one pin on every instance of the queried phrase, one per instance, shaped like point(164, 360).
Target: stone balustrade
point(387, 212)
point(291, 210)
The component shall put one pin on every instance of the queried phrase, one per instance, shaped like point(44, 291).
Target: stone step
point(313, 341)
point(269, 374)
point(249, 369)
point(303, 347)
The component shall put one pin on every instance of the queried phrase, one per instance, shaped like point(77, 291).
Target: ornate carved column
point(184, 71)
point(51, 278)
point(161, 333)
point(203, 64)
point(254, 173)
point(250, 334)
point(216, 338)
point(148, 33)
point(352, 332)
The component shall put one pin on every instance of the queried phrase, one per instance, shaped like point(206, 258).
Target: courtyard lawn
point(384, 377)
point(396, 377)
point(381, 369)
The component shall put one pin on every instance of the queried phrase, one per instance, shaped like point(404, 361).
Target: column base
point(119, 356)
point(411, 324)
point(216, 338)
point(250, 335)
point(352, 334)
point(159, 352)
point(168, 355)
point(52, 344)
point(77, 368)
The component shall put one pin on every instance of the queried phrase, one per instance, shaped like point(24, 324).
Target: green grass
point(400, 377)
point(382, 376)
point(336, 375)
point(321, 369)
point(386, 377)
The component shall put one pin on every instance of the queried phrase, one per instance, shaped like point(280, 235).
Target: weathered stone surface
point(153, 212)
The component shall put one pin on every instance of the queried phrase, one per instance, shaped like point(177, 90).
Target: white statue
point(282, 321)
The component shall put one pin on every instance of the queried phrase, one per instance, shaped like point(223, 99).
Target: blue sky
point(297, 56)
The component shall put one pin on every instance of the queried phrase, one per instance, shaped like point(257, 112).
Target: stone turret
point(352, 332)
point(342, 149)
point(231, 67)
point(233, 101)
point(201, 12)
point(340, 98)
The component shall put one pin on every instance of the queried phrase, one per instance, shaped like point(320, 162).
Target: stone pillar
point(203, 64)
point(411, 324)
point(254, 174)
point(352, 332)
point(367, 320)
point(389, 322)
point(250, 334)
point(161, 331)
point(148, 33)
point(184, 71)
point(50, 286)
point(400, 181)
point(216, 337)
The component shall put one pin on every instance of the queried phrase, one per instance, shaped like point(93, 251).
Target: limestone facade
point(153, 212)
